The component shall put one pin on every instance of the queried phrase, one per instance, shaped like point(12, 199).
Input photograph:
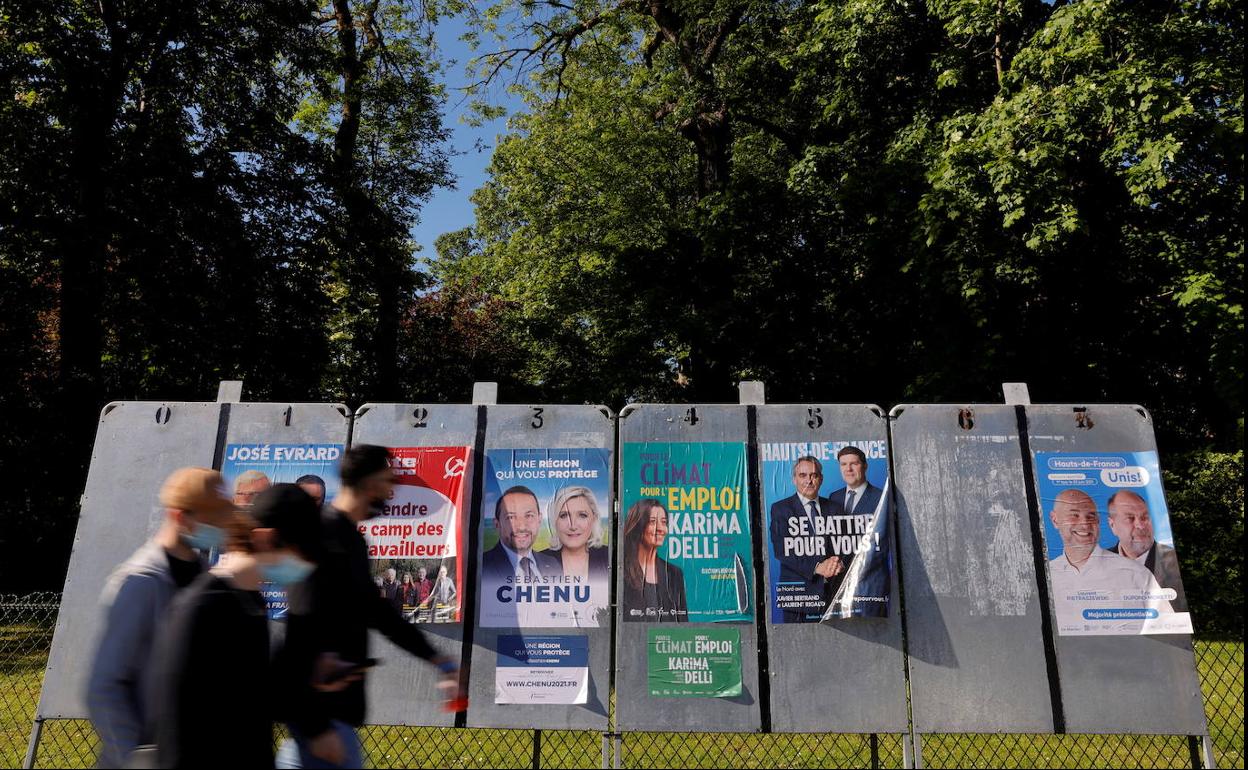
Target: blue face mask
point(205, 537)
point(287, 572)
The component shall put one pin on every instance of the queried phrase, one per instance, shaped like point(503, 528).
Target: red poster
point(416, 545)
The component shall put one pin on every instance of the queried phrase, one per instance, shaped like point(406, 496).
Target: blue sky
point(449, 209)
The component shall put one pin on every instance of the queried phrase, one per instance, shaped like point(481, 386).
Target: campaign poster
point(542, 669)
point(829, 531)
point(685, 543)
point(249, 469)
point(415, 545)
point(545, 524)
point(693, 662)
point(1112, 566)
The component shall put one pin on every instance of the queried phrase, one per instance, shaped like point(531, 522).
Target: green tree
point(172, 213)
point(376, 109)
point(948, 194)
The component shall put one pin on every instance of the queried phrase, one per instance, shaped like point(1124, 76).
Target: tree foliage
point(853, 200)
point(1206, 502)
point(918, 200)
point(181, 204)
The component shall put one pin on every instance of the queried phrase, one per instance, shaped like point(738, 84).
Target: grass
point(71, 743)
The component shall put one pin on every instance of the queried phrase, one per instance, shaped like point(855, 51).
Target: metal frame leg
point(32, 749)
point(1211, 759)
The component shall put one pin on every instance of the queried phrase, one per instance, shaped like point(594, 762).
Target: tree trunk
point(96, 84)
point(374, 278)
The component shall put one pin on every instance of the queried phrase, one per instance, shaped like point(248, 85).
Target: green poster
point(694, 662)
point(685, 550)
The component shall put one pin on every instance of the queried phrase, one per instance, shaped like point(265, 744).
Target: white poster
point(542, 669)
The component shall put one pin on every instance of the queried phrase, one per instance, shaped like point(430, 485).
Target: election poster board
point(249, 469)
point(829, 529)
point(415, 546)
point(693, 662)
point(1112, 565)
point(545, 538)
point(685, 545)
point(542, 670)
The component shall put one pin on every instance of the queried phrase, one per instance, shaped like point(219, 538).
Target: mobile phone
point(348, 670)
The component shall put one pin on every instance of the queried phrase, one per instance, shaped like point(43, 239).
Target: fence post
point(875, 752)
point(1211, 759)
point(537, 749)
point(33, 748)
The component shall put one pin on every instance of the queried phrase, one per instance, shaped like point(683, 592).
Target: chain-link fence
point(26, 624)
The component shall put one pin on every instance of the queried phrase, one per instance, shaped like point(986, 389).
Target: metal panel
point(973, 614)
point(513, 426)
point(811, 663)
point(635, 709)
point(402, 690)
point(1120, 684)
point(137, 445)
point(256, 423)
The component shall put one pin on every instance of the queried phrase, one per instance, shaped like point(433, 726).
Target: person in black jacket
point(654, 590)
point(214, 688)
point(330, 615)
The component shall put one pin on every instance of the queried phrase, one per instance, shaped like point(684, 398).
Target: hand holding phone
point(333, 674)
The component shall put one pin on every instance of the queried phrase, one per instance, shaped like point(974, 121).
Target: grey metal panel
point(634, 708)
point(811, 662)
point(973, 614)
point(510, 426)
point(1119, 684)
point(137, 445)
point(257, 423)
point(402, 690)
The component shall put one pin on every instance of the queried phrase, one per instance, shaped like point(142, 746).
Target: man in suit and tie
point(517, 517)
point(799, 525)
point(858, 497)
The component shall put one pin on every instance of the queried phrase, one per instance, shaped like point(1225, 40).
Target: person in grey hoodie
point(135, 600)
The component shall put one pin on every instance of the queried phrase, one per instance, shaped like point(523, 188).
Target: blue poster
point(829, 531)
point(542, 669)
point(249, 469)
point(1112, 564)
point(545, 538)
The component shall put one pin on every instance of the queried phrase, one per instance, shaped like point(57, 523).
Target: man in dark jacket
point(212, 688)
point(330, 616)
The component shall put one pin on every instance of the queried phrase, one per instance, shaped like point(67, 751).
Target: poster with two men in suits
point(829, 535)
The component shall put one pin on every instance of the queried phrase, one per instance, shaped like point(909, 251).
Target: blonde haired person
point(579, 536)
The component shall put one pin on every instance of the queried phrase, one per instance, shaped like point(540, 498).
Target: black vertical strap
point(537, 750)
point(469, 619)
point(875, 752)
point(223, 424)
point(760, 592)
point(1194, 748)
point(900, 609)
point(617, 472)
point(1042, 573)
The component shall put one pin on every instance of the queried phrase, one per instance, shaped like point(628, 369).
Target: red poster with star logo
point(416, 545)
